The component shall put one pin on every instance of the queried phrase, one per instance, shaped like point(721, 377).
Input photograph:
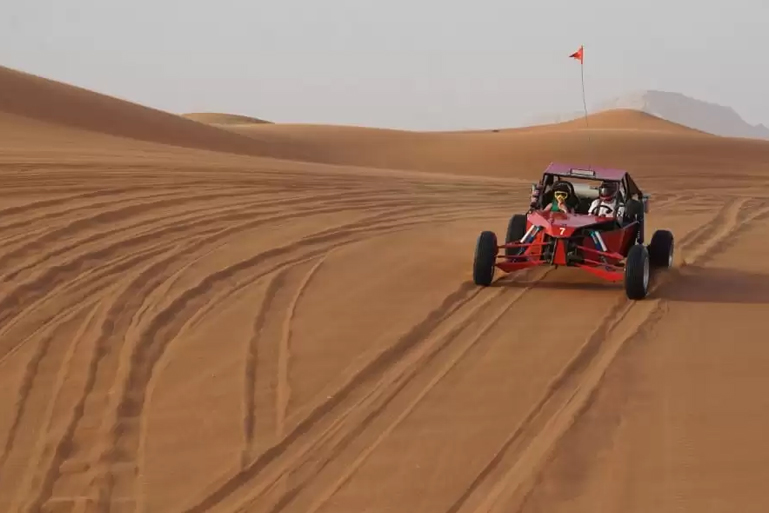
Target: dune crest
point(623, 119)
point(620, 138)
point(49, 101)
point(674, 107)
point(216, 118)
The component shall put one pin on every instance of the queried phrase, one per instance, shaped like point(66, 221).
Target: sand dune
point(64, 105)
point(217, 118)
point(620, 119)
point(188, 326)
point(647, 145)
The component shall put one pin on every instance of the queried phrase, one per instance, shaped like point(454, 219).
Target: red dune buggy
point(607, 242)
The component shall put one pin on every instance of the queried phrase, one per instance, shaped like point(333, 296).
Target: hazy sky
point(419, 64)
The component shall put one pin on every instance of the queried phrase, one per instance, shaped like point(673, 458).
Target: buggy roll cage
point(621, 178)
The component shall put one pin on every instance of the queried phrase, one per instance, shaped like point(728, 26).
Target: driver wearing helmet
point(560, 193)
point(606, 203)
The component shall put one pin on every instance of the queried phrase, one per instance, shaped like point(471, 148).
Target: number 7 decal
point(563, 229)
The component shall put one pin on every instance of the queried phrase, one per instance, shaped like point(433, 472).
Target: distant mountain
point(678, 108)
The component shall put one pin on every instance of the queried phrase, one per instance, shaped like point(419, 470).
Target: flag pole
point(579, 55)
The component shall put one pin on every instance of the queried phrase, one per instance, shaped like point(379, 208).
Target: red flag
point(578, 54)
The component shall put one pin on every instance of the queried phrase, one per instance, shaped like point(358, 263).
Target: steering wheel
point(597, 210)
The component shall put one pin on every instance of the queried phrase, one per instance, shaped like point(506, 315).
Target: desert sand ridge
point(188, 326)
point(621, 119)
point(218, 118)
point(45, 100)
point(622, 138)
point(676, 107)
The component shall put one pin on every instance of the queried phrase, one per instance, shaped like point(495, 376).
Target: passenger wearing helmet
point(560, 193)
point(606, 203)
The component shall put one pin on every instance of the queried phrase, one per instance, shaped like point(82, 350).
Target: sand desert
point(218, 313)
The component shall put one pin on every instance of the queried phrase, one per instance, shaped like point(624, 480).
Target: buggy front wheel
point(485, 259)
point(637, 272)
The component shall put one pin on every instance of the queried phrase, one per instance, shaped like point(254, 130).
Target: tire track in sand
point(91, 284)
point(160, 332)
point(47, 222)
point(145, 219)
point(235, 211)
point(283, 388)
point(42, 449)
point(359, 416)
point(260, 321)
point(105, 346)
point(34, 206)
point(304, 429)
point(29, 377)
point(108, 328)
point(445, 214)
point(120, 312)
point(46, 337)
point(107, 218)
point(249, 395)
point(250, 406)
point(459, 352)
point(283, 391)
point(26, 297)
point(388, 371)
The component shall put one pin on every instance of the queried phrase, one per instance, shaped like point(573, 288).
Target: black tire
point(661, 249)
point(516, 229)
point(637, 272)
point(485, 259)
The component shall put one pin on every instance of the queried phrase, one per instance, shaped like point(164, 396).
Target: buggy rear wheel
point(661, 249)
point(637, 272)
point(484, 263)
point(516, 229)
